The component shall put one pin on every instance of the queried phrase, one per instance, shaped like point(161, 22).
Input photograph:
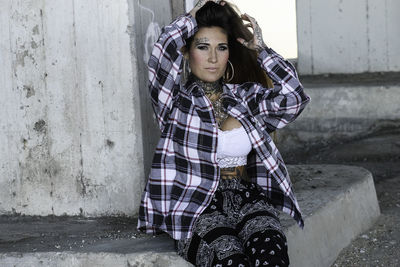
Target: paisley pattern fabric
point(238, 228)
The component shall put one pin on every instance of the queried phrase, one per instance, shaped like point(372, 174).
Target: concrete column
point(76, 126)
point(189, 4)
point(177, 7)
point(148, 17)
point(348, 36)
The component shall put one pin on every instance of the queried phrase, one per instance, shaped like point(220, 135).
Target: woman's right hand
point(257, 42)
point(201, 3)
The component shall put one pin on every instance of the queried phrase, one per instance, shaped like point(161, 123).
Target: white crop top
point(233, 147)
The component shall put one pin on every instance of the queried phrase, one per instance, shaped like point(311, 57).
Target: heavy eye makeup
point(223, 47)
point(206, 45)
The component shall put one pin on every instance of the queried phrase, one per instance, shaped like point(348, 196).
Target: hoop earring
point(227, 72)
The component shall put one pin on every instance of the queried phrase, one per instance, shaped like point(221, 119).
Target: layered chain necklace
point(213, 91)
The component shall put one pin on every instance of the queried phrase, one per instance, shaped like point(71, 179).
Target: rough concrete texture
point(148, 18)
point(379, 152)
point(343, 108)
point(63, 259)
point(72, 85)
point(348, 36)
point(338, 203)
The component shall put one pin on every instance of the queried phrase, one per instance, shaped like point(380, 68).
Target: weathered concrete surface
point(343, 109)
point(70, 140)
point(348, 36)
point(67, 259)
point(379, 246)
point(72, 82)
point(177, 8)
point(148, 17)
point(338, 203)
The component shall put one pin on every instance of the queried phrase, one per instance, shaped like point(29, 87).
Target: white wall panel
point(304, 36)
point(348, 36)
point(393, 34)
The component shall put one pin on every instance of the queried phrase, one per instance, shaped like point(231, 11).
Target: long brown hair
point(243, 59)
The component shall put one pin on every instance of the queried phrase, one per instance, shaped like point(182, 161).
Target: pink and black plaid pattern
point(185, 174)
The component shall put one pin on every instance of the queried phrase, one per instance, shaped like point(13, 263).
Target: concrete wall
point(72, 84)
point(149, 17)
point(177, 8)
point(341, 112)
point(189, 4)
point(348, 36)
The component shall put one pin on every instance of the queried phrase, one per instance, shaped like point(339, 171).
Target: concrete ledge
point(341, 112)
point(338, 202)
point(69, 259)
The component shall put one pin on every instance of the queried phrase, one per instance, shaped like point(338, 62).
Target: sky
point(277, 19)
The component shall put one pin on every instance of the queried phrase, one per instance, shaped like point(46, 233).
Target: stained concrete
point(343, 107)
point(380, 153)
point(348, 36)
point(338, 202)
point(58, 259)
point(74, 105)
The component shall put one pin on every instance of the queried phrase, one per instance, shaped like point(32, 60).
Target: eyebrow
point(205, 41)
point(201, 41)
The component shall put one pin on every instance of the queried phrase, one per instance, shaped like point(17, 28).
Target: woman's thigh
point(260, 231)
point(223, 251)
point(214, 243)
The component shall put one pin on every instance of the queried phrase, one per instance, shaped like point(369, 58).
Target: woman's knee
point(238, 259)
point(268, 247)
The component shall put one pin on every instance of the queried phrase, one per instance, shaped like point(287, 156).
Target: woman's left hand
point(257, 43)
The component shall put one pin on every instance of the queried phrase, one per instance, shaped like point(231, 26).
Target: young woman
point(217, 179)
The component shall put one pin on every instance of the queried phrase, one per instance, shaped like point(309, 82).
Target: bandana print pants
point(238, 228)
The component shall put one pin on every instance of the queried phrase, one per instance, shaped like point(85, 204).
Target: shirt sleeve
point(280, 105)
point(165, 65)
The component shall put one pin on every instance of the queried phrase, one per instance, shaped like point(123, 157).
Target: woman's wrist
point(260, 48)
point(196, 7)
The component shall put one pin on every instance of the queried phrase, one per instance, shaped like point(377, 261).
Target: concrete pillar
point(177, 7)
point(148, 17)
point(189, 4)
point(348, 36)
point(76, 131)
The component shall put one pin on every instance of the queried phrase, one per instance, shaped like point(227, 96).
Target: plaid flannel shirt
point(185, 173)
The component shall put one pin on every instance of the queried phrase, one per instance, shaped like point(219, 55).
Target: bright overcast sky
point(277, 19)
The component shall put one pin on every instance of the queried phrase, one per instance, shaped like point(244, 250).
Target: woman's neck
point(210, 88)
point(213, 91)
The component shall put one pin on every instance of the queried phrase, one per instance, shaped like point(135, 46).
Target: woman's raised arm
point(165, 66)
point(285, 101)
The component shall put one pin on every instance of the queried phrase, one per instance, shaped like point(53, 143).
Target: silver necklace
point(213, 90)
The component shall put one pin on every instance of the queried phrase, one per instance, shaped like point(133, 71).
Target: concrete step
point(338, 203)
